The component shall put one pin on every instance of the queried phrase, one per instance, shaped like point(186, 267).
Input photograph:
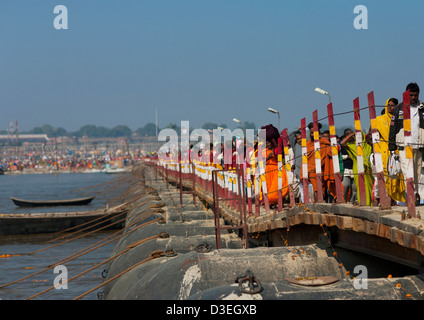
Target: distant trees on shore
point(148, 130)
point(93, 131)
point(89, 130)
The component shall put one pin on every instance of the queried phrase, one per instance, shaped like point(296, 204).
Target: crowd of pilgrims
point(397, 153)
point(246, 154)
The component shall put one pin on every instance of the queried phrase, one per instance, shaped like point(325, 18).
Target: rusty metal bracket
point(203, 248)
point(170, 253)
point(249, 284)
point(161, 220)
point(164, 235)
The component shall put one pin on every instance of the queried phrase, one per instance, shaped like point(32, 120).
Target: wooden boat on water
point(115, 170)
point(49, 222)
point(49, 203)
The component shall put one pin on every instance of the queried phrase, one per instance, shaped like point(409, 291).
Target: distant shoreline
point(47, 171)
point(52, 171)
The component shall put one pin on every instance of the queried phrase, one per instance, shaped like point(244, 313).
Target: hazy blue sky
point(201, 60)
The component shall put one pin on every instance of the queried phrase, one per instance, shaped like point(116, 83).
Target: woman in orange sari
point(271, 167)
point(271, 173)
point(328, 178)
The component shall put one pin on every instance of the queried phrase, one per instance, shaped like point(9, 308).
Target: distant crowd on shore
point(74, 164)
point(40, 164)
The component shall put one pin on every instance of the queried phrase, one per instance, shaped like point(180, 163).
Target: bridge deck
point(392, 224)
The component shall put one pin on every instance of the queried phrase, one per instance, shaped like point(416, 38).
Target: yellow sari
point(368, 178)
point(395, 187)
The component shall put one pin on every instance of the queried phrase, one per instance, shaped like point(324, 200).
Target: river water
point(19, 265)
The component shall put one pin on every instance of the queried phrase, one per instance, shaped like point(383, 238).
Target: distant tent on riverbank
point(34, 138)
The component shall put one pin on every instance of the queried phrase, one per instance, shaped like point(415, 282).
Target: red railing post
point(257, 188)
point(238, 188)
point(280, 173)
point(216, 210)
point(262, 178)
point(290, 173)
point(181, 180)
point(249, 190)
point(410, 186)
point(359, 154)
point(243, 213)
point(304, 162)
point(166, 174)
point(231, 187)
point(318, 172)
point(193, 177)
point(335, 154)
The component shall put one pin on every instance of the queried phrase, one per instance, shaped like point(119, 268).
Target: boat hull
point(33, 223)
point(69, 202)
